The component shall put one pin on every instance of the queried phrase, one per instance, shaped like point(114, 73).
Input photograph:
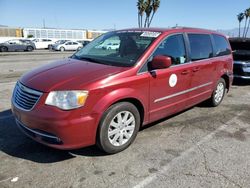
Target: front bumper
point(55, 48)
point(242, 70)
point(56, 128)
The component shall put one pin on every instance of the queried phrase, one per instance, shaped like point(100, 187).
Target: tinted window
point(201, 46)
point(14, 42)
point(173, 47)
point(221, 46)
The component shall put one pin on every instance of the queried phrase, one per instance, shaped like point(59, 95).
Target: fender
point(116, 95)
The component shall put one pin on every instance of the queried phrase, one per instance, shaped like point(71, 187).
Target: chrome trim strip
point(182, 92)
point(242, 62)
point(35, 132)
point(242, 77)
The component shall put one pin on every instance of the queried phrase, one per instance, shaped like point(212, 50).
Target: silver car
point(17, 45)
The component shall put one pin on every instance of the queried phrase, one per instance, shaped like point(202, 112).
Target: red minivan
point(103, 96)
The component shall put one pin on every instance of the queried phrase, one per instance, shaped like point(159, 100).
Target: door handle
point(196, 69)
point(185, 72)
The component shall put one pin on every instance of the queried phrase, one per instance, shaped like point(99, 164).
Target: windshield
point(61, 41)
point(119, 48)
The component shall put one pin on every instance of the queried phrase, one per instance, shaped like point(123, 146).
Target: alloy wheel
point(219, 92)
point(121, 128)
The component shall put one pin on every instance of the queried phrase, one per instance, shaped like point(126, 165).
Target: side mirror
point(160, 62)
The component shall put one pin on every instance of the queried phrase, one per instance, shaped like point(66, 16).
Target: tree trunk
point(244, 28)
point(145, 23)
point(139, 20)
point(239, 29)
point(247, 28)
point(151, 19)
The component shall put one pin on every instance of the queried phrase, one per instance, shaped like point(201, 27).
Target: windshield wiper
point(90, 59)
point(87, 59)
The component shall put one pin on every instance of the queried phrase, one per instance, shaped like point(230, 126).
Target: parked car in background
point(112, 43)
point(51, 46)
point(100, 96)
point(17, 45)
point(241, 54)
point(68, 45)
point(42, 43)
point(84, 42)
point(112, 46)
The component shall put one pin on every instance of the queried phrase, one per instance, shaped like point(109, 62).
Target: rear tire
point(118, 127)
point(4, 49)
point(218, 93)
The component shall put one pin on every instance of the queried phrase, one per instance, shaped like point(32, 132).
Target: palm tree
point(247, 12)
point(155, 6)
point(149, 7)
point(148, 10)
point(240, 17)
point(141, 9)
point(246, 19)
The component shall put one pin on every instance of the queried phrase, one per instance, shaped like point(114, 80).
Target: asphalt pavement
point(199, 147)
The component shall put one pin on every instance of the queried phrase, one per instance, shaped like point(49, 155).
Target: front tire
point(4, 49)
point(30, 48)
point(62, 49)
point(118, 127)
point(218, 93)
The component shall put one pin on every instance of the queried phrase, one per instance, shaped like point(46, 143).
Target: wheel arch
point(137, 103)
point(4, 47)
point(29, 46)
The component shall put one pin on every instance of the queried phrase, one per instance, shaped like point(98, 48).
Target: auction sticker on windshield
point(150, 34)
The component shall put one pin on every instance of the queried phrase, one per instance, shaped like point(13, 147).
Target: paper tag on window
point(150, 34)
point(182, 60)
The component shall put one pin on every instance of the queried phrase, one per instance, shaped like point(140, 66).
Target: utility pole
point(44, 23)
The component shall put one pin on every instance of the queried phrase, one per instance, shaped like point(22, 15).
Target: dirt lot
point(200, 147)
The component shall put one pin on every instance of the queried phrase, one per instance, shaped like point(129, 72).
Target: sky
point(118, 14)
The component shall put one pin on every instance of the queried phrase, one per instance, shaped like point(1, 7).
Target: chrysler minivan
point(104, 96)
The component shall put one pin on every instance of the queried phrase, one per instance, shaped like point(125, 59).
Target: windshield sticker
point(150, 34)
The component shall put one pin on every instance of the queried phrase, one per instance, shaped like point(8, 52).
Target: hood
point(67, 74)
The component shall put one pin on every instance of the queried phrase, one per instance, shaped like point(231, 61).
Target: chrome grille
point(24, 97)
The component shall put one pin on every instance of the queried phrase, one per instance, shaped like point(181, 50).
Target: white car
point(68, 45)
point(42, 43)
point(112, 46)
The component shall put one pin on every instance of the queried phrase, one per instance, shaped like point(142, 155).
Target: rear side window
point(173, 47)
point(200, 46)
point(221, 46)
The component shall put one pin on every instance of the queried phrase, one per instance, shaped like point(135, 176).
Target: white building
point(55, 34)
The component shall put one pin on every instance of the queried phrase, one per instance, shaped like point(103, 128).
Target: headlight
point(67, 100)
